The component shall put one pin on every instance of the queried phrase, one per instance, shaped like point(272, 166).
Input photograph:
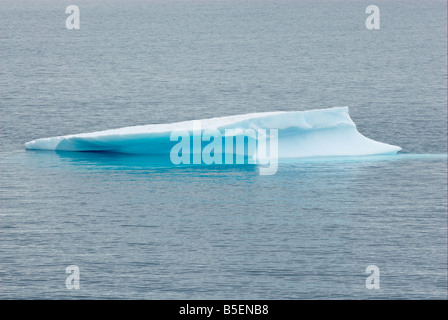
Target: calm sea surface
point(140, 228)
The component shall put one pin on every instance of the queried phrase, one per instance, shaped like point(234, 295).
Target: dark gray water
point(140, 229)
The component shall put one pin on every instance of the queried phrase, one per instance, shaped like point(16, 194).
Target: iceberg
point(312, 133)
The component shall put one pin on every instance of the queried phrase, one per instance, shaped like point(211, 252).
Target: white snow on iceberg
point(312, 133)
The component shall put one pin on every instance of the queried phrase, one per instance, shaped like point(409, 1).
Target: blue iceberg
point(313, 133)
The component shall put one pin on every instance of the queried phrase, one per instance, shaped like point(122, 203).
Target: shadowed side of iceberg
point(313, 133)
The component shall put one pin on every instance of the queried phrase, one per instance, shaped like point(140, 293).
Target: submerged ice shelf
point(313, 133)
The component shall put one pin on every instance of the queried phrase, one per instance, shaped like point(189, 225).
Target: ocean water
point(141, 228)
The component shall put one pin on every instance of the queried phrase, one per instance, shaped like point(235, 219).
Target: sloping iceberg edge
point(312, 133)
